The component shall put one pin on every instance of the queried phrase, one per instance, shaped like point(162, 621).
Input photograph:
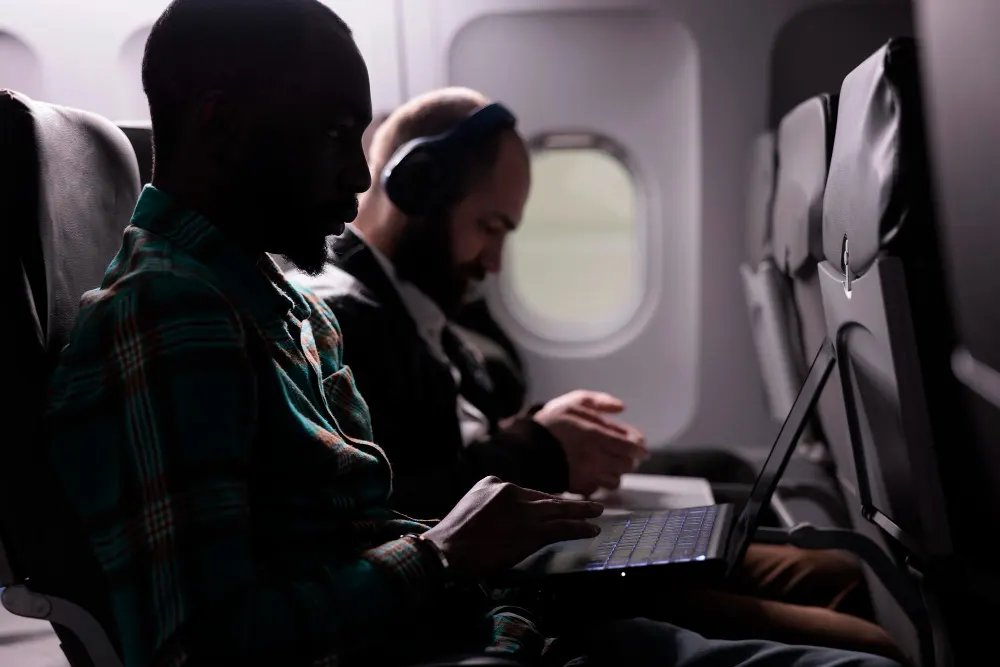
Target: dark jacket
point(475, 323)
point(413, 397)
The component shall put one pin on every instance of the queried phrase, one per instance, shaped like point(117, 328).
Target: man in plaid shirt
point(207, 432)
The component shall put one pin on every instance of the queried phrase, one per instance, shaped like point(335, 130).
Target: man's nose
point(493, 258)
point(358, 176)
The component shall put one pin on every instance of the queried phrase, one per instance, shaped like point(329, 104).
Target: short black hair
point(430, 114)
point(231, 46)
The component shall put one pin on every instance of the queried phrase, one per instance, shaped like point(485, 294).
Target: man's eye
point(491, 226)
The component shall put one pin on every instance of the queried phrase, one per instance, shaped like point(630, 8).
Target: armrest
point(897, 580)
point(738, 494)
point(21, 601)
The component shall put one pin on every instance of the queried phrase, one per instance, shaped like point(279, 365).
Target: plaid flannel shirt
point(221, 461)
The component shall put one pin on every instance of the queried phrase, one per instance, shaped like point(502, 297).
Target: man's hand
point(599, 450)
point(497, 525)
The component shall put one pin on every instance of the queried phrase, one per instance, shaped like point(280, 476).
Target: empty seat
point(809, 489)
point(805, 147)
point(768, 298)
point(881, 285)
point(886, 307)
point(68, 185)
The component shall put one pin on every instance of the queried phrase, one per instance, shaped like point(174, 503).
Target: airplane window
point(572, 269)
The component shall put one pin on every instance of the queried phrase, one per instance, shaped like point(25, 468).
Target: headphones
point(425, 175)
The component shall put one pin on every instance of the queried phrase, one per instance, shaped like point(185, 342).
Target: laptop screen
point(743, 529)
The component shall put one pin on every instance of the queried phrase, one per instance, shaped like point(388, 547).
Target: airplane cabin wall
point(668, 93)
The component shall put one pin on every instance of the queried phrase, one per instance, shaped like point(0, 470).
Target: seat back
point(69, 184)
point(140, 135)
point(886, 306)
point(889, 316)
point(768, 297)
point(805, 148)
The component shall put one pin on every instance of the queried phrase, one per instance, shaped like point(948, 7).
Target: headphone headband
point(425, 173)
point(480, 126)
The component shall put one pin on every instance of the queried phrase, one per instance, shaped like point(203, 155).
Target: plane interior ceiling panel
point(653, 105)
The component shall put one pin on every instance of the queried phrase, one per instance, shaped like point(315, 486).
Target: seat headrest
point(73, 184)
point(140, 134)
point(804, 146)
point(879, 162)
point(759, 198)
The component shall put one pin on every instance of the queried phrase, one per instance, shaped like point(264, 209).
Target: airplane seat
point(805, 148)
point(807, 491)
point(765, 292)
point(886, 308)
point(804, 142)
point(140, 135)
point(69, 185)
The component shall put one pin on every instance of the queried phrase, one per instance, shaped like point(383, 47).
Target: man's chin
point(310, 261)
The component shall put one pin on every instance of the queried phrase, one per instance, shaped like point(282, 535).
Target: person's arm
point(433, 470)
point(182, 563)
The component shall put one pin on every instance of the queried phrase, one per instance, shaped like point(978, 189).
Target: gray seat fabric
point(768, 298)
point(805, 145)
point(140, 135)
point(68, 187)
point(760, 197)
point(878, 203)
point(810, 493)
point(883, 291)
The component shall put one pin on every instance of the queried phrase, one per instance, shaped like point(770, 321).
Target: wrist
point(431, 548)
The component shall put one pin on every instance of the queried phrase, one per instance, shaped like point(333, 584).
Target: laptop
point(712, 540)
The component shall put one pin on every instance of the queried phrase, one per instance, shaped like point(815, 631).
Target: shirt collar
point(429, 317)
point(255, 278)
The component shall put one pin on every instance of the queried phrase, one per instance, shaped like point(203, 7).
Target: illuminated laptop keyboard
point(650, 538)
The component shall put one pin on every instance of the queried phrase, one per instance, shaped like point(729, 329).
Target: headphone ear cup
point(417, 183)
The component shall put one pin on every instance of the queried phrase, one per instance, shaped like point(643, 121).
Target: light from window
point(573, 269)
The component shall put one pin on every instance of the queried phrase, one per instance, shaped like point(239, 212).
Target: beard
point(310, 258)
point(423, 257)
